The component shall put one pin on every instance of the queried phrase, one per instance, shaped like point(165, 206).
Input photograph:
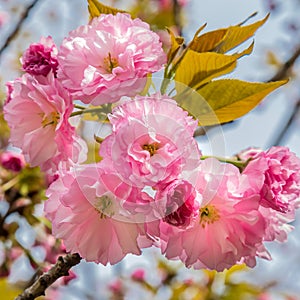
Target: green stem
point(79, 106)
point(87, 111)
point(238, 163)
point(9, 184)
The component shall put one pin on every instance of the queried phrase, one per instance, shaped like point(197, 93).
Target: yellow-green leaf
point(96, 8)
point(7, 292)
point(236, 35)
point(176, 42)
point(225, 100)
point(247, 51)
point(225, 39)
point(196, 69)
point(207, 41)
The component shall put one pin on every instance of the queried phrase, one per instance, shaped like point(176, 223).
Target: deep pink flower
point(37, 115)
point(280, 170)
point(138, 275)
point(12, 161)
point(109, 58)
point(152, 141)
point(40, 58)
point(88, 217)
point(177, 202)
point(228, 226)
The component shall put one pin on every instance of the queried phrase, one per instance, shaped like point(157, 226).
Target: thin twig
point(177, 16)
point(288, 124)
point(60, 269)
point(285, 68)
point(283, 74)
point(15, 32)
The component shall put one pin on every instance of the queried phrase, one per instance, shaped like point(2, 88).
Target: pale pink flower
point(280, 170)
point(151, 142)
point(12, 161)
point(40, 58)
point(37, 115)
point(109, 58)
point(228, 226)
point(4, 18)
point(278, 224)
point(88, 217)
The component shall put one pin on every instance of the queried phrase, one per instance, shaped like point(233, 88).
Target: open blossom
point(40, 58)
point(109, 58)
point(228, 226)
point(279, 169)
point(152, 141)
point(37, 115)
point(85, 214)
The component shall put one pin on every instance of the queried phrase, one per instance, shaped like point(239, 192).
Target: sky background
point(259, 128)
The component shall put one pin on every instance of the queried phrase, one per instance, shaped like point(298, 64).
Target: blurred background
point(26, 246)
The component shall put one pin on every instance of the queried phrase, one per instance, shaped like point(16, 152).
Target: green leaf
point(225, 39)
point(195, 69)
point(225, 100)
point(96, 8)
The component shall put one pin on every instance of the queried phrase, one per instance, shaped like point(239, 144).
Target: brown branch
point(16, 30)
point(283, 74)
point(285, 68)
point(289, 122)
point(177, 16)
point(60, 269)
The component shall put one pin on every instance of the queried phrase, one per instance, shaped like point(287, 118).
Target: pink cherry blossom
point(280, 170)
point(37, 115)
point(178, 203)
point(278, 224)
point(109, 58)
point(12, 161)
point(151, 142)
point(40, 58)
point(138, 275)
point(86, 216)
point(228, 226)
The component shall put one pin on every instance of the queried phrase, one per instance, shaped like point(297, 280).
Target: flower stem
point(238, 163)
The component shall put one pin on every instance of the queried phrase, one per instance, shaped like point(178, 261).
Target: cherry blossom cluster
point(151, 187)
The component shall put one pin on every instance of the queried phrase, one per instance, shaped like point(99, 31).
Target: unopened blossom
point(109, 58)
point(152, 141)
point(228, 226)
point(279, 169)
point(40, 58)
point(37, 115)
point(87, 217)
point(12, 161)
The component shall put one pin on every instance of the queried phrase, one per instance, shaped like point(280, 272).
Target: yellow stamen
point(151, 148)
point(110, 63)
point(102, 206)
point(208, 215)
point(51, 119)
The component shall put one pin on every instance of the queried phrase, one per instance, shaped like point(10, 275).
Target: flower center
point(51, 119)
point(151, 148)
point(110, 63)
point(103, 206)
point(208, 215)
